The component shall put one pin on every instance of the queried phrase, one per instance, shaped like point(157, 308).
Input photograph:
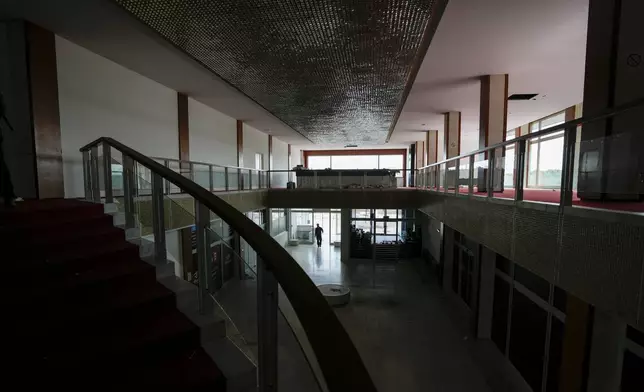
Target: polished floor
point(400, 322)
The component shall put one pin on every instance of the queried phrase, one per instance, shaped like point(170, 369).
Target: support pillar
point(577, 332)
point(493, 127)
point(184, 133)
point(448, 257)
point(606, 352)
point(345, 235)
point(431, 147)
point(29, 83)
point(486, 294)
point(452, 147)
point(609, 167)
point(240, 152)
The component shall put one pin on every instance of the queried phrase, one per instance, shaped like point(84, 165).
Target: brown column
point(452, 135)
point(240, 143)
point(43, 83)
point(574, 345)
point(183, 126)
point(431, 147)
point(494, 110)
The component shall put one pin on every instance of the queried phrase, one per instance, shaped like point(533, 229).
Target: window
point(546, 154)
point(319, 162)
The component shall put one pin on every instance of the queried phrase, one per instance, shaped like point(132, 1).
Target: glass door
point(336, 227)
point(323, 218)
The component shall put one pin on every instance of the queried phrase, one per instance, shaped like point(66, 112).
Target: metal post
point(107, 173)
point(250, 179)
point(167, 184)
point(96, 184)
point(129, 191)
point(211, 180)
point(240, 180)
point(490, 172)
point(470, 183)
point(568, 167)
point(87, 174)
point(519, 169)
point(191, 167)
point(204, 254)
point(158, 218)
point(267, 302)
point(226, 178)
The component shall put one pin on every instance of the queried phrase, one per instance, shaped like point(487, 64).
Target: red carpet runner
point(80, 306)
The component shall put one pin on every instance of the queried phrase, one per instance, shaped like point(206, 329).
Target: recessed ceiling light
point(423, 124)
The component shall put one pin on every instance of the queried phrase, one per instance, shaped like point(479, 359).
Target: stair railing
point(340, 363)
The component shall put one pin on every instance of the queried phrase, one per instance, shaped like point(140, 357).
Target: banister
point(338, 358)
point(555, 128)
point(208, 164)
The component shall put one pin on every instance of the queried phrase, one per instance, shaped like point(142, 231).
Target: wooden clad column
point(431, 146)
point(494, 110)
point(452, 135)
point(575, 345)
point(183, 126)
point(240, 151)
point(240, 143)
point(270, 157)
point(43, 83)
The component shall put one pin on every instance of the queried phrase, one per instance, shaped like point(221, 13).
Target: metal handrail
point(338, 358)
point(208, 164)
point(556, 128)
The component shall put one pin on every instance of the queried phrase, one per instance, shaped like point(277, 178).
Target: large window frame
point(535, 148)
point(321, 155)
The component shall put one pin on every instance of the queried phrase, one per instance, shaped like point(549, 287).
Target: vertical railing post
point(490, 172)
point(267, 303)
point(204, 254)
point(107, 173)
point(250, 179)
point(87, 176)
point(211, 180)
point(191, 168)
point(167, 184)
point(445, 187)
point(240, 180)
point(129, 191)
point(519, 168)
point(568, 167)
point(158, 218)
point(470, 184)
point(226, 178)
point(96, 183)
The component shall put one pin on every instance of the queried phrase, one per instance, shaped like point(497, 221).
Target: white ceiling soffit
point(106, 29)
point(540, 44)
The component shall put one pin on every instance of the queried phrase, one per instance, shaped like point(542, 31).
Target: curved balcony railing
point(251, 299)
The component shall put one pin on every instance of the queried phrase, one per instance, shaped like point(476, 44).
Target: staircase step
point(146, 338)
point(77, 223)
point(41, 211)
point(70, 261)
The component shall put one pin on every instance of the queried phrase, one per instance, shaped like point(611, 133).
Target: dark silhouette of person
point(6, 185)
point(318, 234)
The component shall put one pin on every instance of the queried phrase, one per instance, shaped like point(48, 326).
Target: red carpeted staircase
point(79, 305)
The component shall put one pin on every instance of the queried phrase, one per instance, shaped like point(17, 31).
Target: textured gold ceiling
point(333, 70)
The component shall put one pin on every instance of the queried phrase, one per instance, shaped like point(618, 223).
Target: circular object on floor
point(335, 294)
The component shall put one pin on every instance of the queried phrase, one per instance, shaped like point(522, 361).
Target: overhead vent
point(521, 97)
point(351, 146)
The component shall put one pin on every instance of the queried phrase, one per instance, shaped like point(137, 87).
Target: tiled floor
point(399, 323)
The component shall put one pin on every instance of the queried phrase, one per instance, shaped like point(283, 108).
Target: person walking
point(6, 185)
point(318, 234)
